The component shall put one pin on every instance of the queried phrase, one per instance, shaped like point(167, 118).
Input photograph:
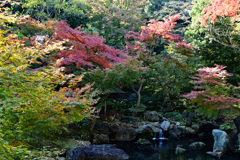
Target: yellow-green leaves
point(29, 102)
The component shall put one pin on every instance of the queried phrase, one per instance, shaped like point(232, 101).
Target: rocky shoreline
point(129, 129)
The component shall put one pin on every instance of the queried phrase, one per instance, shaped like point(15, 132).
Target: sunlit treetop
point(220, 8)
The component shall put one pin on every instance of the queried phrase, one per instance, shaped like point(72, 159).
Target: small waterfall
point(155, 136)
point(163, 126)
point(161, 137)
point(161, 134)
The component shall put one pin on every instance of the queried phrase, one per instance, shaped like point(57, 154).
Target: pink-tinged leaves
point(212, 89)
point(152, 34)
point(193, 94)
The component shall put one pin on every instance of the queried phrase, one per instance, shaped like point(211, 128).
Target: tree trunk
point(139, 98)
point(95, 119)
point(138, 92)
point(47, 8)
point(234, 68)
point(105, 106)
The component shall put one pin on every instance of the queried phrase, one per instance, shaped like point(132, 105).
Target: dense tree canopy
point(216, 41)
point(86, 50)
point(113, 19)
point(60, 60)
point(29, 102)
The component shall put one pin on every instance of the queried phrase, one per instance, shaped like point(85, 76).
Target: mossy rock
point(197, 145)
point(143, 142)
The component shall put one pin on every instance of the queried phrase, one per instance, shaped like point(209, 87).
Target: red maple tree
point(145, 43)
point(220, 8)
point(84, 49)
point(153, 34)
point(212, 90)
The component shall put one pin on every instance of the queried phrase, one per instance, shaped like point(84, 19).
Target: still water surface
point(165, 150)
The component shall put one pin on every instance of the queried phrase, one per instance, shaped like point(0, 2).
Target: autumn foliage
point(29, 102)
point(36, 57)
point(152, 35)
point(220, 8)
point(212, 93)
point(221, 18)
point(86, 50)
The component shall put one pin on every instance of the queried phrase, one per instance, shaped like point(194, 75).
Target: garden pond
point(165, 150)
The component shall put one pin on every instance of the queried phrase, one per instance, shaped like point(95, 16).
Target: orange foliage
point(220, 8)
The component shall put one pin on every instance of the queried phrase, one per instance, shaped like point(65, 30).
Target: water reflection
point(157, 144)
point(165, 150)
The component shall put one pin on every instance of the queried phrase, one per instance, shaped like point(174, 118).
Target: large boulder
point(129, 133)
point(237, 123)
point(76, 153)
point(183, 130)
point(148, 128)
point(97, 152)
point(221, 141)
point(151, 116)
point(106, 152)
